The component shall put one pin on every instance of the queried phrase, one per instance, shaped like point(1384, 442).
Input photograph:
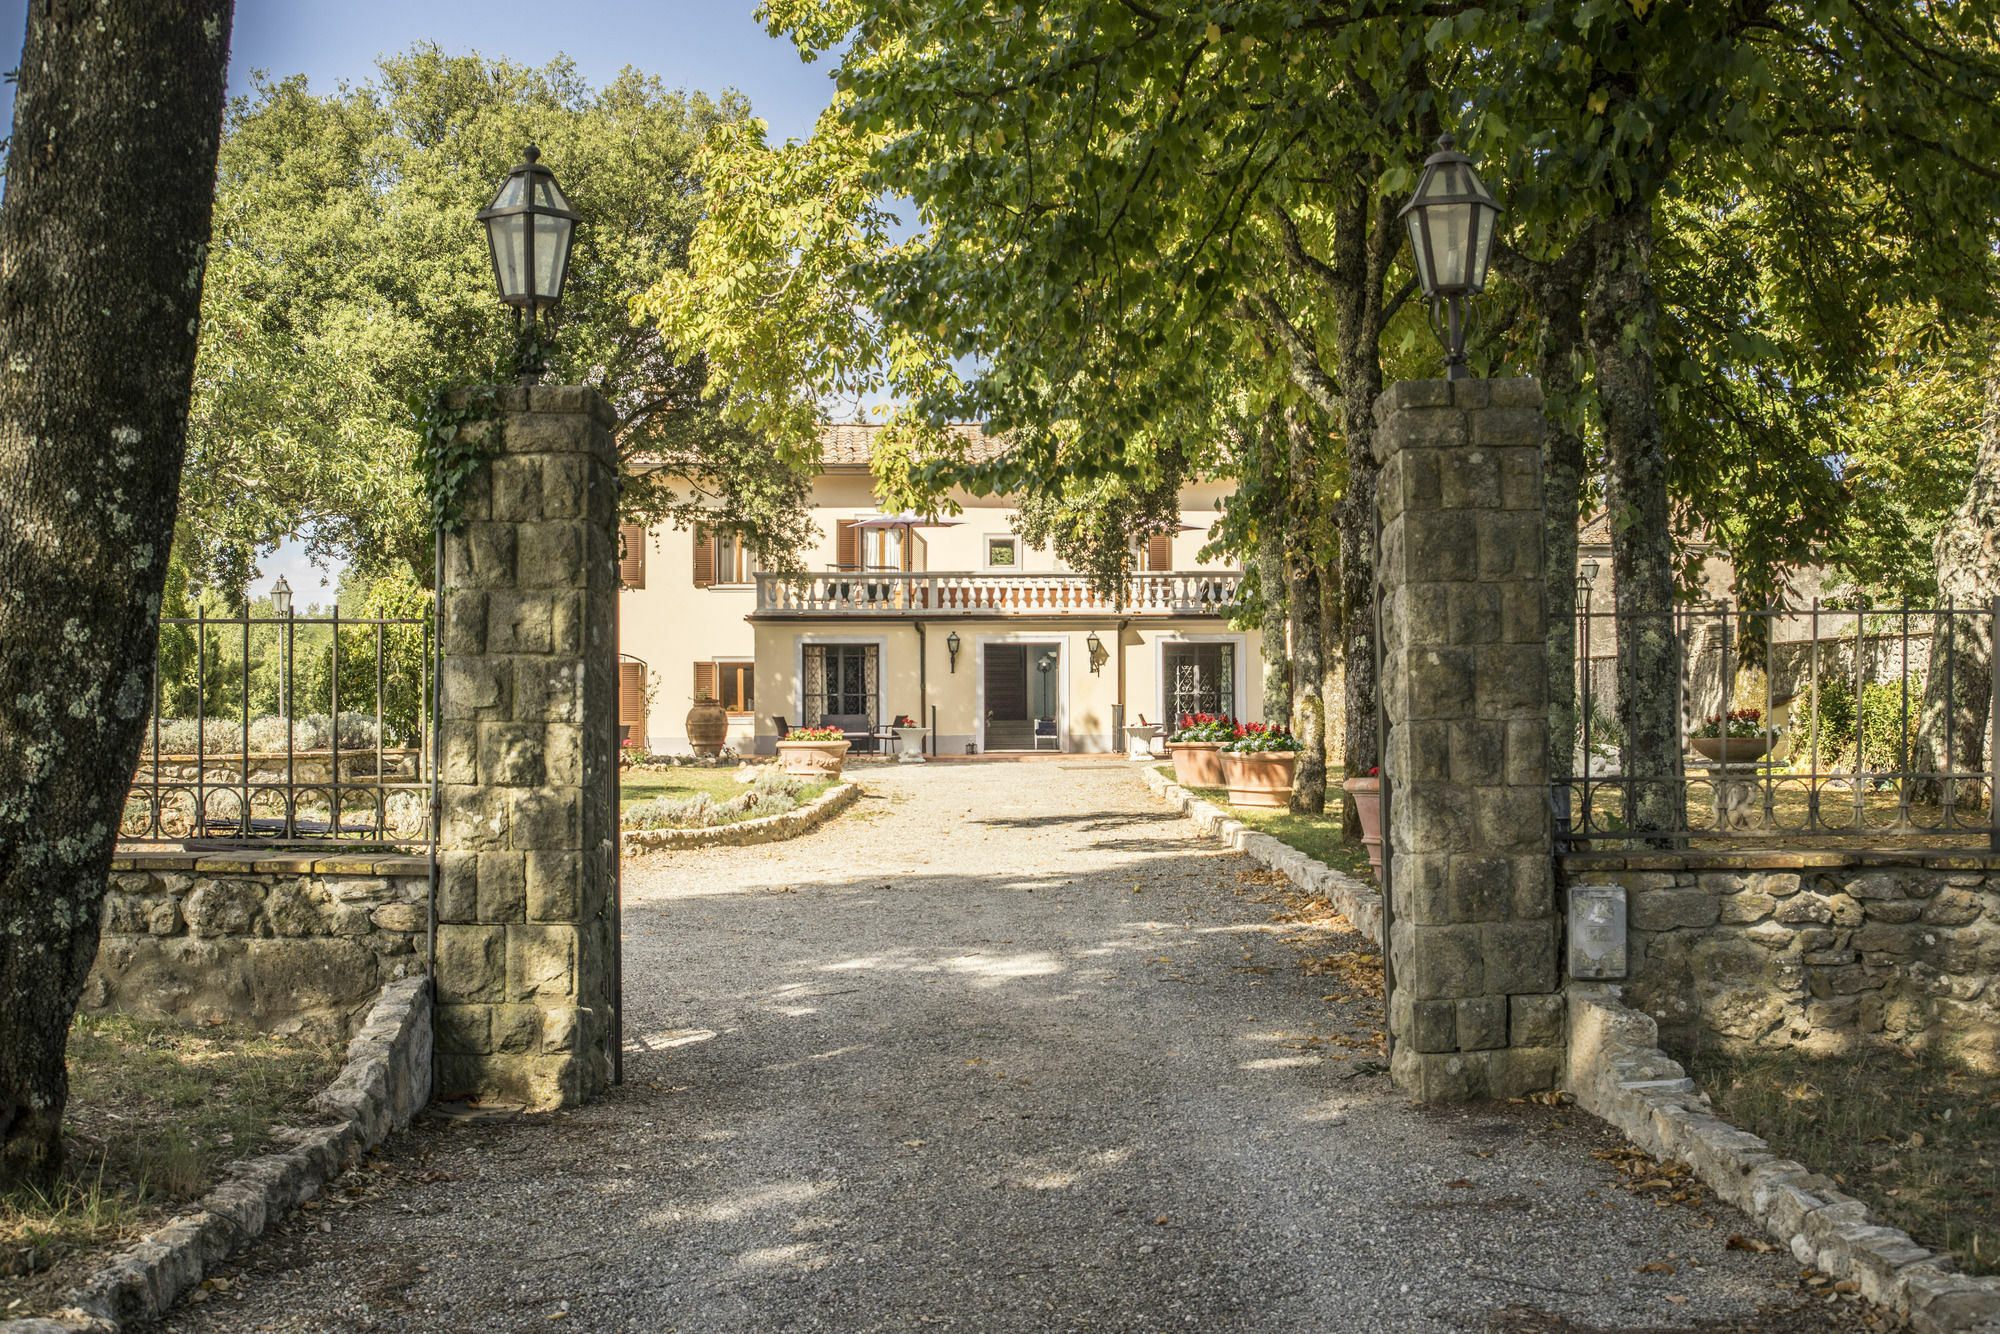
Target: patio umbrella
point(906, 520)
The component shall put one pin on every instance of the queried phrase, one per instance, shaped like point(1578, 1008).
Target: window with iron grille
point(1200, 678)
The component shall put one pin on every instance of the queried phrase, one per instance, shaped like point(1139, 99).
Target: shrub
point(777, 803)
point(695, 812)
point(1883, 719)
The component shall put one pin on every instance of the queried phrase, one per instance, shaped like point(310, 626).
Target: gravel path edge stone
point(1618, 1073)
point(1358, 902)
point(764, 829)
point(385, 1082)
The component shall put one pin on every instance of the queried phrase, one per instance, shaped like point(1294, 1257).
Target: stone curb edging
point(1359, 903)
point(764, 829)
point(386, 1081)
point(1618, 1073)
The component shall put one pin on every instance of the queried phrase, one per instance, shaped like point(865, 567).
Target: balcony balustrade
point(948, 593)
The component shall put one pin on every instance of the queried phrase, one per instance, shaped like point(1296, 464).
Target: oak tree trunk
point(1302, 599)
point(1623, 313)
point(1271, 582)
point(103, 237)
point(1953, 732)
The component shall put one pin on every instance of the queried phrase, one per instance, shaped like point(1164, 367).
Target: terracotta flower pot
point(1367, 794)
point(1731, 749)
point(1198, 763)
point(1259, 777)
point(813, 759)
point(708, 727)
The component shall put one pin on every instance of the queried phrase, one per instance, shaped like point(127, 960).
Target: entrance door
point(1022, 690)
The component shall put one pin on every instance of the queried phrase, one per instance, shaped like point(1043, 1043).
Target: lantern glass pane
point(1419, 255)
point(1445, 179)
point(549, 195)
point(551, 255)
point(513, 191)
point(508, 237)
point(1450, 226)
point(1483, 218)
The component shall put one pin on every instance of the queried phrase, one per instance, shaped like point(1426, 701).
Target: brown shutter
point(704, 680)
point(704, 557)
point(632, 701)
point(631, 555)
point(1160, 552)
point(844, 554)
point(909, 540)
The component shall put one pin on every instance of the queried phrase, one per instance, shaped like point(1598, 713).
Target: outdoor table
point(910, 744)
point(1734, 788)
point(1139, 740)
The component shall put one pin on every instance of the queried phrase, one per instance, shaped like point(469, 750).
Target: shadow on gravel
point(1806, 1313)
point(1086, 821)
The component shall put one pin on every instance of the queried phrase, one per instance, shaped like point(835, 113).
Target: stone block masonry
point(275, 941)
point(1816, 951)
point(527, 935)
point(1476, 1009)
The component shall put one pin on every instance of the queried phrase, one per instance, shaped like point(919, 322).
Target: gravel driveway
point(1005, 1049)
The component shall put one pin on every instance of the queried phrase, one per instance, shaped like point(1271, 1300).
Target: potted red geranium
point(1258, 765)
point(1367, 794)
point(1196, 745)
point(813, 752)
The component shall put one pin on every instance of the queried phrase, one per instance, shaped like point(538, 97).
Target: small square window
point(1001, 551)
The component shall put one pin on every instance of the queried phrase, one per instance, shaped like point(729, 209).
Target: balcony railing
point(946, 593)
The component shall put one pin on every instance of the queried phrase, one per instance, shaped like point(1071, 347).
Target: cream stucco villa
point(963, 628)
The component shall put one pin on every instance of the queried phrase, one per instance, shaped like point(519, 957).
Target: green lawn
point(1317, 836)
point(1915, 1136)
point(643, 785)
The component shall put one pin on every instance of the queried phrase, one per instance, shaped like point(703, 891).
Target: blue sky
point(689, 44)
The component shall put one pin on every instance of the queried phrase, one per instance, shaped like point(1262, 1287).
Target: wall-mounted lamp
point(1588, 571)
point(1098, 654)
point(951, 642)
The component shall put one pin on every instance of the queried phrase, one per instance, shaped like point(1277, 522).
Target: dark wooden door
point(1007, 683)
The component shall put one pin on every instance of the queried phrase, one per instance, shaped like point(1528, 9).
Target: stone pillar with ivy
point(525, 482)
point(1475, 1009)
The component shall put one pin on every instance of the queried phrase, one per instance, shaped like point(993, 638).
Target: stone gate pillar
point(1475, 1009)
point(526, 938)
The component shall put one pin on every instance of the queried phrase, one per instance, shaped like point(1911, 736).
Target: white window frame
point(986, 551)
point(1240, 671)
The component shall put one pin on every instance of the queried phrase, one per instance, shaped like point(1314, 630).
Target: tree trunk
point(1302, 597)
point(1952, 734)
point(1623, 312)
point(1271, 520)
point(103, 237)
point(1556, 288)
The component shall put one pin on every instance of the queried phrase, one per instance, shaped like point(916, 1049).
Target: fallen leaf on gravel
point(1678, 1301)
point(1847, 1285)
point(1460, 1184)
point(1657, 1267)
point(913, 1144)
point(1738, 1242)
point(1161, 1219)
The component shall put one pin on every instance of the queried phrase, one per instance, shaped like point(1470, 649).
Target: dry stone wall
point(1820, 953)
point(284, 944)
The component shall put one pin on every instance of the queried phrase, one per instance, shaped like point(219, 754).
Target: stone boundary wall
point(1353, 899)
point(764, 829)
point(281, 943)
point(386, 1082)
point(1617, 1072)
point(1820, 952)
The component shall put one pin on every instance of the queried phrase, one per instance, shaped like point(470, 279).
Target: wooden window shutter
point(704, 557)
point(1160, 552)
point(632, 701)
point(908, 543)
point(632, 555)
point(704, 680)
point(844, 554)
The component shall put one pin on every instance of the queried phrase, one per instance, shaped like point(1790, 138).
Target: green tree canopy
point(348, 278)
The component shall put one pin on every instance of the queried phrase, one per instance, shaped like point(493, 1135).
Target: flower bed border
point(763, 829)
point(1358, 902)
point(385, 1082)
point(1618, 1073)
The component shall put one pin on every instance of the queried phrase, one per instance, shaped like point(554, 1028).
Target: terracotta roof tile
point(846, 444)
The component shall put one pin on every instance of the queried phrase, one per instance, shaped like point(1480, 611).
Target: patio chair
point(1045, 730)
point(783, 726)
point(854, 726)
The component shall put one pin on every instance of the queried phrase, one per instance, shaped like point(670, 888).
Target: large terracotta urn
point(1367, 794)
point(1259, 778)
point(1198, 763)
point(708, 727)
point(813, 759)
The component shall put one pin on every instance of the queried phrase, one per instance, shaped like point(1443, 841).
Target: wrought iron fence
point(284, 729)
point(1853, 725)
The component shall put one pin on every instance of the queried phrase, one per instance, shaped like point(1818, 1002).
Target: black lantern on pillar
point(529, 230)
point(1451, 220)
point(1099, 655)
